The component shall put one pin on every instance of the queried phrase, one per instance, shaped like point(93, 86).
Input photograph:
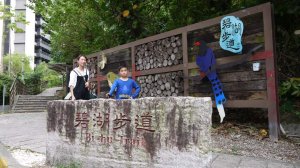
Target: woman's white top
point(73, 75)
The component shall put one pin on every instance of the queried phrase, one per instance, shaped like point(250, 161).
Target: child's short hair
point(122, 66)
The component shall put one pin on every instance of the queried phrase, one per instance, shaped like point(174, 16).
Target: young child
point(124, 85)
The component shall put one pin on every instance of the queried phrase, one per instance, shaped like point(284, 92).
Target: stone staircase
point(31, 103)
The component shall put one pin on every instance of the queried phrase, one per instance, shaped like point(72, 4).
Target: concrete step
point(29, 111)
point(38, 98)
point(30, 107)
point(32, 103)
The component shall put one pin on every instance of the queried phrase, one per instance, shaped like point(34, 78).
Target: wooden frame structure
point(271, 103)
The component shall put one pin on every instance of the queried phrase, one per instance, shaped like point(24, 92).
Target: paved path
point(50, 91)
point(24, 130)
point(233, 161)
point(28, 131)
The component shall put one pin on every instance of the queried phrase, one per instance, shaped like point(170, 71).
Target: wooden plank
point(114, 67)
point(245, 95)
point(225, 60)
point(250, 39)
point(233, 77)
point(259, 85)
point(247, 66)
point(119, 56)
point(241, 14)
point(251, 22)
point(214, 36)
point(245, 104)
point(160, 70)
point(273, 109)
point(220, 53)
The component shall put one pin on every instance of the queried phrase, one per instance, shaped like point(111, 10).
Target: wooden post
point(185, 64)
point(133, 73)
point(273, 112)
point(98, 73)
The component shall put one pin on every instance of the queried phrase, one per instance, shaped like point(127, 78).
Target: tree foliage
point(86, 26)
point(5, 80)
point(16, 61)
point(49, 78)
point(43, 78)
point(8, 14)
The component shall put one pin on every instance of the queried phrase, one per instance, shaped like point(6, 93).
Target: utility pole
point(22, 67)
point(4, 90)
point(9, 61)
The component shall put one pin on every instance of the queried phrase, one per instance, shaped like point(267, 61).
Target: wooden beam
point(273, 109)
point(159, 70)
point(224, 60)
point(185, 64)
point(133, 73)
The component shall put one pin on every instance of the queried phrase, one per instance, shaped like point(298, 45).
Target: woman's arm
point(72, 93)
point(72, 83)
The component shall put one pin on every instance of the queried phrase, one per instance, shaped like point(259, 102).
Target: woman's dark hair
point(122, 66)
point(81, 56)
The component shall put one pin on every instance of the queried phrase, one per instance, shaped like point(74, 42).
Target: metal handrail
point(16, 88)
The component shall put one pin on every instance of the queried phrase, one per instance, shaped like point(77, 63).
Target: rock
point(147, 132)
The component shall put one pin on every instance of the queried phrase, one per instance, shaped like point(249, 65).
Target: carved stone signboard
point(147, 132)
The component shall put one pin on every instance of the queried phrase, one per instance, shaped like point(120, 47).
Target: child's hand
point(107, 95)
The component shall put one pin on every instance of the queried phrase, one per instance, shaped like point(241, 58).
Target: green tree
point(86, 26)
point(5, 80)
point(8, 14)
point(75, 28)
point(16, 62)
point(44, 78)
point(49, 78)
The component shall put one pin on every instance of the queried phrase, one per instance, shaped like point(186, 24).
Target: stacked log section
point(92, 66)
point(161, 85)
point(157, 54)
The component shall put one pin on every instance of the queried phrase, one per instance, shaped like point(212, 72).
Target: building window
point(20, 4)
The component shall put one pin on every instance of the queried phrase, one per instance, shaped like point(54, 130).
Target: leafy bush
point(290, 88)
point(41, 78)
point(7, 81)
point(33, 83)
point(16, 61)
point(49, 78)
point(289, 93)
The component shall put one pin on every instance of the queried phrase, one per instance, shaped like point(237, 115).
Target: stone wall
point(147, 132)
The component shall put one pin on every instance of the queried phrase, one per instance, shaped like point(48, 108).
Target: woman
point(79, 80)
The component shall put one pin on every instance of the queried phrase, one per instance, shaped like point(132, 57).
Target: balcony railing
point(43, 55)
point(43, 44)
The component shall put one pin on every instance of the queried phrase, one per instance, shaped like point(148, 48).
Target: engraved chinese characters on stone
point(231, 34)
